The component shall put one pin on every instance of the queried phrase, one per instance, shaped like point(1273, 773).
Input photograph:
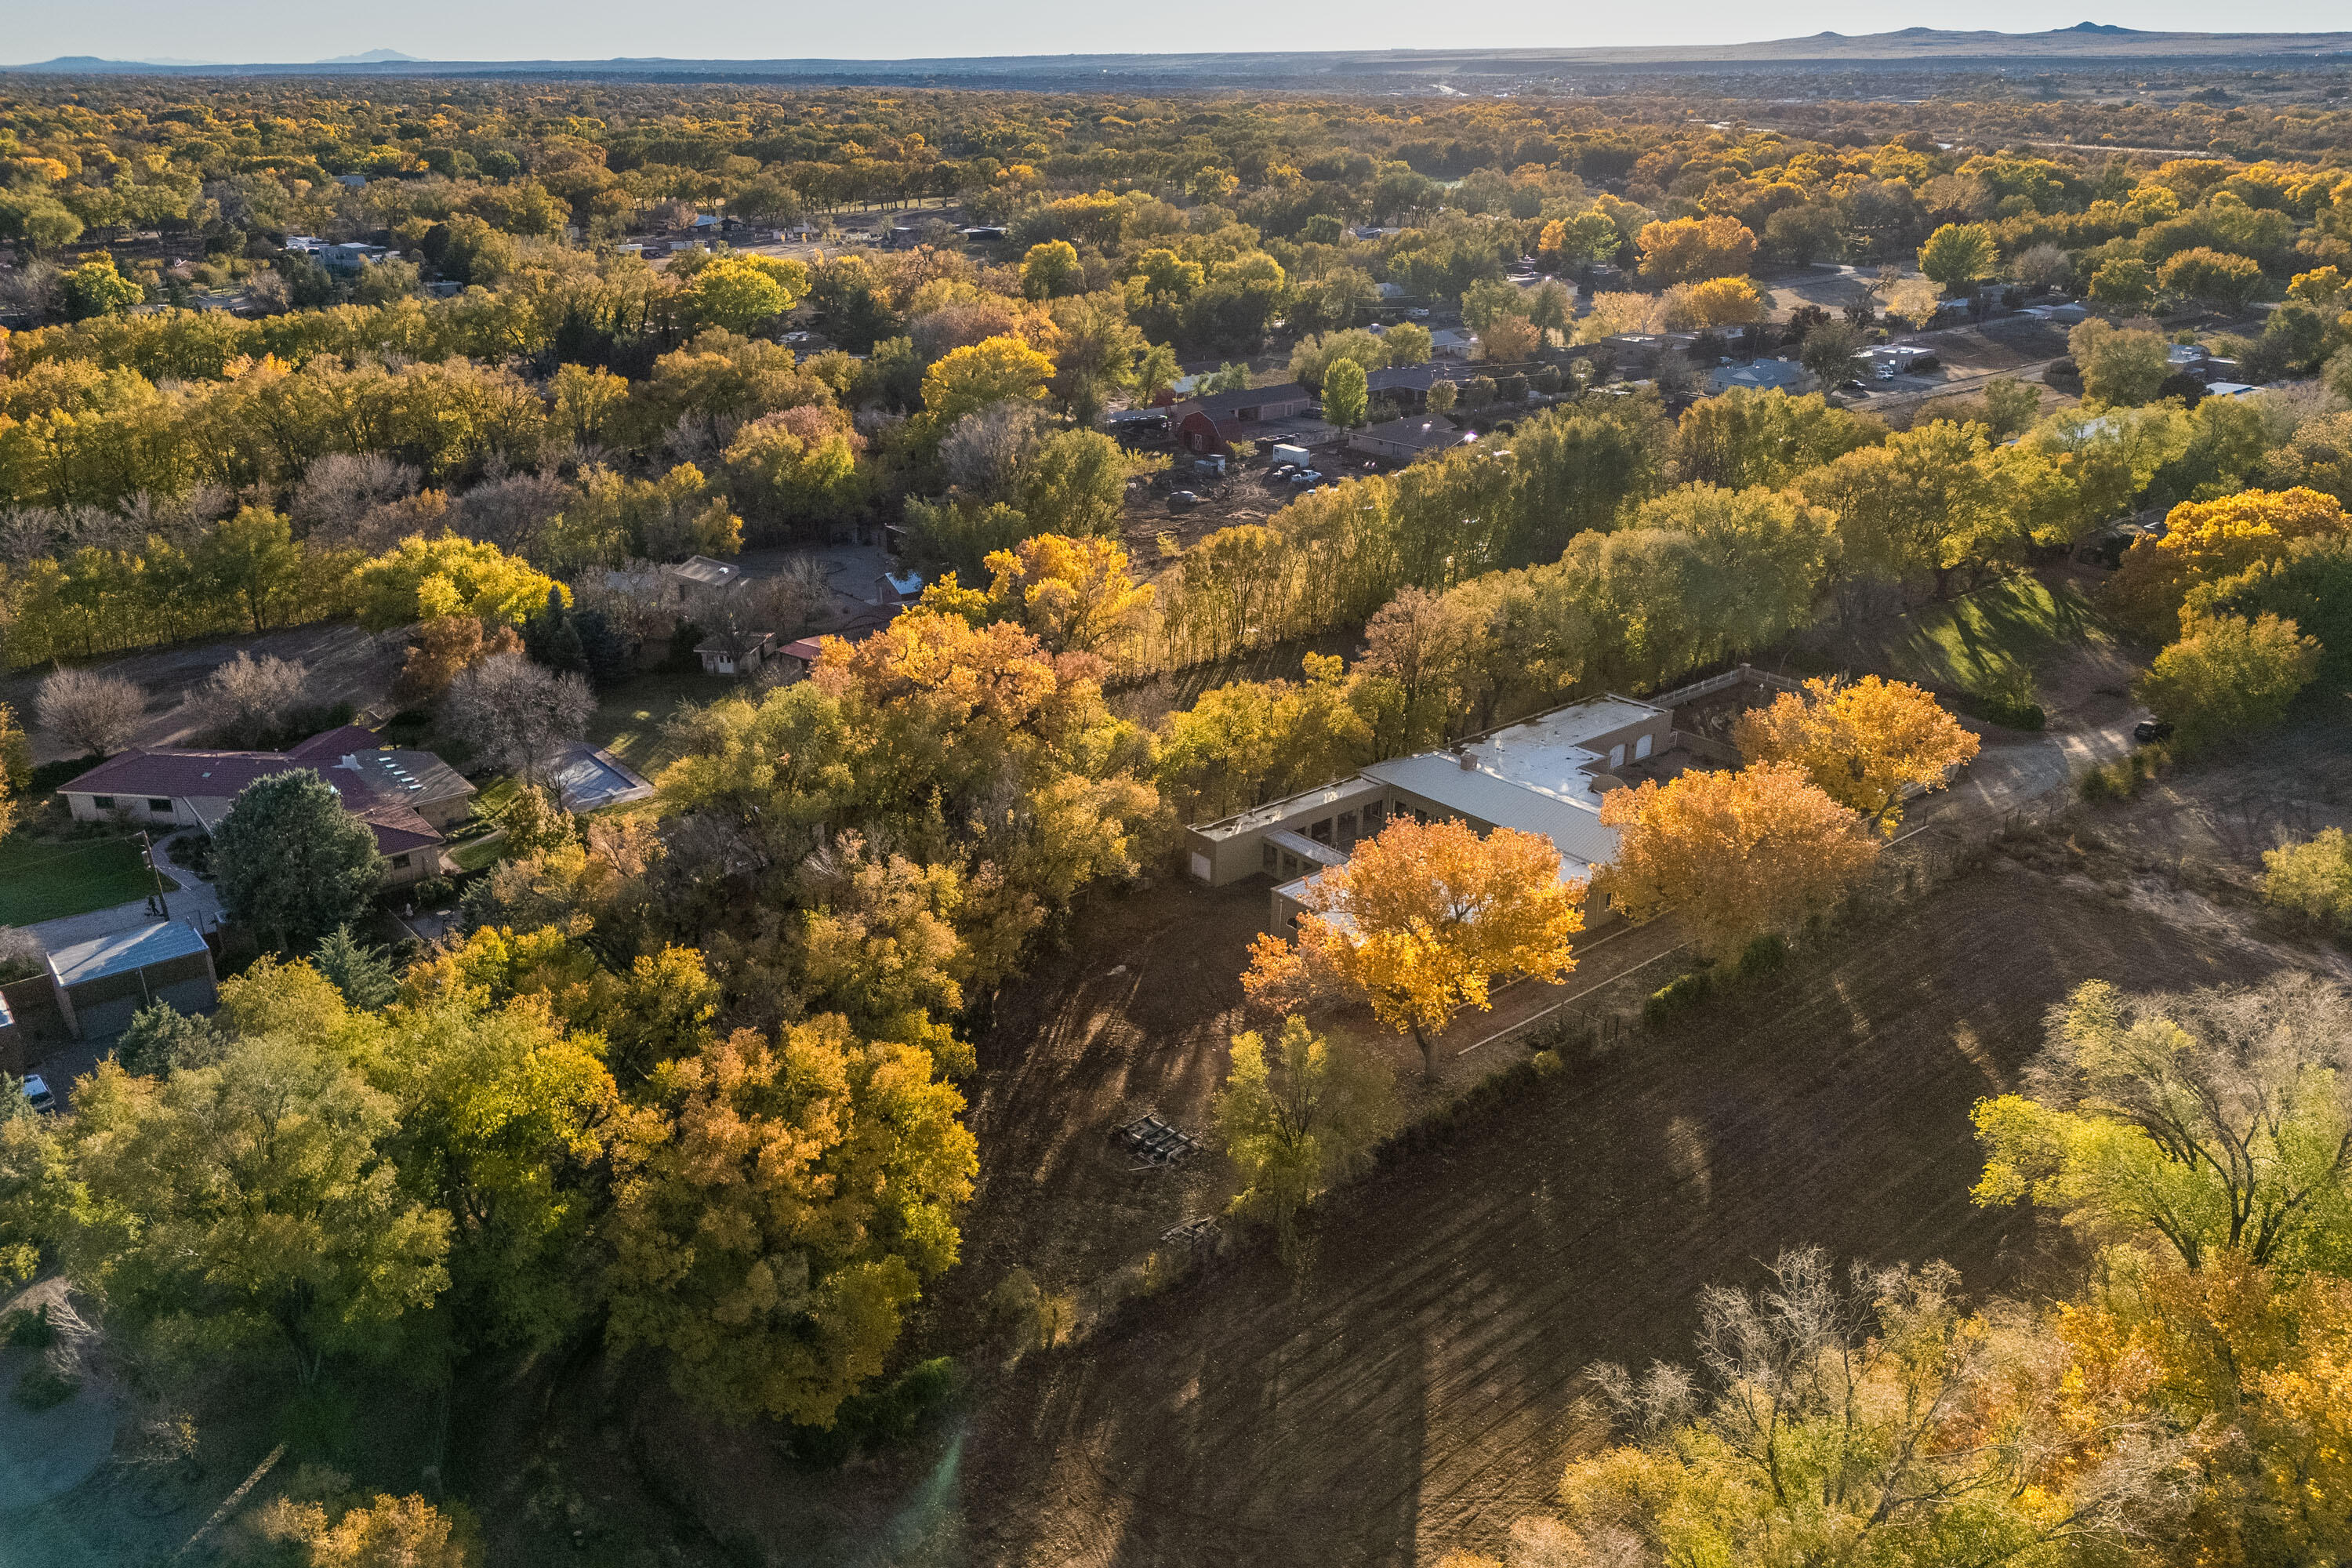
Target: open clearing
point(1415, 1392)
point(47, 879)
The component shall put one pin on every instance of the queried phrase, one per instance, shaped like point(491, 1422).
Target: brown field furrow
point(1415, 1392)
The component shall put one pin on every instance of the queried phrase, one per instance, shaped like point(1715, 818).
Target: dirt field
point(1412, 1395)
point(346, 665)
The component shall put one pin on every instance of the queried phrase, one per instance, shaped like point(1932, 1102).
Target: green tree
point(2123, 283)
point(1051, 270)
point(96, 288)
point(362, 974)
point(2313, 879)
point(253, 1201)
point(292, 863)
point(2229, 675)
point(251, 561)
point(2122, 365)
point(1833, 352)
point(1297, 1120)
point(2209, 1122)
point(505, 1118)
point(1345, 398)
point(1959, 254)
point(2213, 276)
point(1075, 483)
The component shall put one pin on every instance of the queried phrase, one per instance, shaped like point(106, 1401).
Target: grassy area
point(629, 717)
point(47, 879)
point(1978, 642)
point(477, 853)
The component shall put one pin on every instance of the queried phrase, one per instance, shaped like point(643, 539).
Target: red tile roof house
point(408, 799)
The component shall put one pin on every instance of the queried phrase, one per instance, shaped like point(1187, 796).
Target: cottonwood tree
point(2228, 676)
point(446, 646)
point(1735, 856)
point(291, 862)
point(252, 1204)
point(2217, 1121)
point(100, 713)
point(1863, 743)
point(1421, 922)
point(1296, 1119)
point(779, 1207)
point(406, 1532)
point(248, 701)
point(2313, 879)
point(1879, 1423)
point(517, 715)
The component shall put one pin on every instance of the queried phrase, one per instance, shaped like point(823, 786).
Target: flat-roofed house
point(1544, 774)
point(101, 983)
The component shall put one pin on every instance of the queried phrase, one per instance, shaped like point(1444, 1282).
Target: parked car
point(2151, 730)
point(1282, 470)
point(36, 1093)
point(1182, 500)
point(1304, 477)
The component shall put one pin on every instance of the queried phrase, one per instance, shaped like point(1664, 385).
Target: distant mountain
point(1403, 70)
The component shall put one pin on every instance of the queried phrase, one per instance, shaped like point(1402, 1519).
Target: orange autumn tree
point(1735, 856)
point(1420, 922)
point(1861, 743)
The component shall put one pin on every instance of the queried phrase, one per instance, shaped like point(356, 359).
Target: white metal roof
point(125, 953)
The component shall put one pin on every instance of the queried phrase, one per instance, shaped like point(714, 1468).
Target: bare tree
point(511, 510)
point(517, 715)
point(100, 713)
point(984, 450)
point(248, 701)
point(344, 487)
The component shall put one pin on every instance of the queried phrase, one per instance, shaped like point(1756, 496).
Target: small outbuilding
point(101, 983)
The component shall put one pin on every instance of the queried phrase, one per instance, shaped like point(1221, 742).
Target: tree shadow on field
point(1420, 1390)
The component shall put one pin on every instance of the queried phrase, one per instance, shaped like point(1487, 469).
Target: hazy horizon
point(277, 32)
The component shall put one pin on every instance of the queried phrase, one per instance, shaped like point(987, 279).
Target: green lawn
point(45, 878)
point(629, 717)
point(1980, 641)
point(475, 853)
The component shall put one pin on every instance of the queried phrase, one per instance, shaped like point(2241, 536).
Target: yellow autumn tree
point(1862, 743)
point(994, 369)
point(1734, 855)
point(2204, 542)
point(778, 1207)
point(1073, 594)
point(1421, 922)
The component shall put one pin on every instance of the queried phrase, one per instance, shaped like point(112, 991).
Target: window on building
point(1322, 831)
point(400, 862)
point(1348, 826)
point(161, 804)
point(1641, 748)
point(104, 801)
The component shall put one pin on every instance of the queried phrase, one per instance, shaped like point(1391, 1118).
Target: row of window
point(105, 803)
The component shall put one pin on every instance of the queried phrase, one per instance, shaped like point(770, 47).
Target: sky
point(303, 30)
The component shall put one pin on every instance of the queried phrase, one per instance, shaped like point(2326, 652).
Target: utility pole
point(156, 904)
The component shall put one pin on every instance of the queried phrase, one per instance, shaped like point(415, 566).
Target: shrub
point(887, 1414)
point(28, 1328)
point(43, 1387)
point(2313, 880)
point(1767, 954)
point(1677, 995)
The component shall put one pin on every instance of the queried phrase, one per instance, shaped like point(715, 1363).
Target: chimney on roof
point(1469, 762)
